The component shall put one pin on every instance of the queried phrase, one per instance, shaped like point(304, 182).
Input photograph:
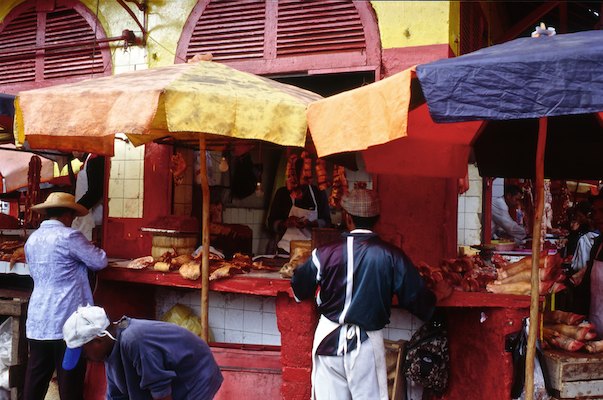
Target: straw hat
point(61, 200)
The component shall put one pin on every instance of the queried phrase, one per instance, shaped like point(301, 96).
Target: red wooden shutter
point(65, 25)
point(309, 27)
point(20, 32)
point(230, 30)
point(281, 36)
point(33, 40)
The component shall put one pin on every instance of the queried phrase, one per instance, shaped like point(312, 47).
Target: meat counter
point(477, 326)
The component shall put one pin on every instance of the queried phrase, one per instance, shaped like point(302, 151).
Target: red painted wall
point(122, 236)
point(419, 215)
point(398, 59)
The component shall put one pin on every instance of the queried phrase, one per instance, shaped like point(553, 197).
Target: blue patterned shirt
point(58, 258)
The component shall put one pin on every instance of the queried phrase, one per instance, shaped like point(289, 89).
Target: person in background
point(358, 276)
point(89, 189)
point(293, 218)
point(588, 297)
point(59, 258)
point(143, 359)
point(503, 225)
point(581, 236)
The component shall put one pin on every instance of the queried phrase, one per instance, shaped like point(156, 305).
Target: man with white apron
point(358, 277)
point(302, 231)
point(89, 187)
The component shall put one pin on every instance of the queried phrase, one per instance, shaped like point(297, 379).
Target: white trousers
point(336, 380)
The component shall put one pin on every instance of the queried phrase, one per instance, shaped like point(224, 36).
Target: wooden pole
point(536, 234)
point(204, 241)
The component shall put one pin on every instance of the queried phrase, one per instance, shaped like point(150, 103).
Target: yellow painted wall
point(413, 23)
point(401, 23)
point(6, 6)
point(165, 23)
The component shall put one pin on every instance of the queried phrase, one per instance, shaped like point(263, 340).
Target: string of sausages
point(33, 197)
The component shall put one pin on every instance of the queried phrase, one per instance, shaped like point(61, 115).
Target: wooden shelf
point(482, 299)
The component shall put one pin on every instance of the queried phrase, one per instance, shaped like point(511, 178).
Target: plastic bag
point(185, 317)
point(5, 352)
point(517, 344)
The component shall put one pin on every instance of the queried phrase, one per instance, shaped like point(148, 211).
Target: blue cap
point(71, 358)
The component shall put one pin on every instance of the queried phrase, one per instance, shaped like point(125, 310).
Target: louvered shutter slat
point(230, 31)
point(64, 26)
point(20, 33)
point(318, 27)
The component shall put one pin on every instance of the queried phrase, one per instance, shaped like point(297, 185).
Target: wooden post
point(204, 240)
point(536, 234)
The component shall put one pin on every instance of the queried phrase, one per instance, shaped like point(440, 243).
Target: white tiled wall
point(469, 227)
point(233, 318)
point(402, 325)
point(126, 181)
point(127, 166)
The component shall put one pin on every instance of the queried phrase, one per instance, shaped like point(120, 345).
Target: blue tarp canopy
point(524, 78)
point(7, 104)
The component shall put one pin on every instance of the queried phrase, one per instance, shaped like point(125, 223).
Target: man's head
point(513, 196)
point(362, 208)
point(61, 206)
point(597, 211)
point(86, 331)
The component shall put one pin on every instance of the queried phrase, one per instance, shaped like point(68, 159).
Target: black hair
point(364, 222)
point(598, 197)
point(513, 190)
point(58, 212)
point(584, 207)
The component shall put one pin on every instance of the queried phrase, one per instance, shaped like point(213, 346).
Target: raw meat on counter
point(570, 332)
point(516, 278)
point(467, 274)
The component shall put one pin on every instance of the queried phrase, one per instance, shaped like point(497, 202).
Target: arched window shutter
point(284, 36)
point(37, 46)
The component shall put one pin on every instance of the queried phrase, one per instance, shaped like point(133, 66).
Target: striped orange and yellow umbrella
point(197, 102)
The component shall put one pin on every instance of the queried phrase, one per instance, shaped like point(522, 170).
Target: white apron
point(293, 233)
point(94, 217)
point(326, 326)
point(596, 295)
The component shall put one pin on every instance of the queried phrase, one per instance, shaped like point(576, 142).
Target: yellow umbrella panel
point(180, 101)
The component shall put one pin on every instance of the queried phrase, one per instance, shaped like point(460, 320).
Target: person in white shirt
point(503, 226)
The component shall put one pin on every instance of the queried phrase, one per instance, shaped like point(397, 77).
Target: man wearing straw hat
point(358, 276)
point(59, 258)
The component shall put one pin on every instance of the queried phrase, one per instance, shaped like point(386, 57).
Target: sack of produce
point(185, 317)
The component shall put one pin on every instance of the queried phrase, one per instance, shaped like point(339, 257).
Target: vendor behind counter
point(297, 207)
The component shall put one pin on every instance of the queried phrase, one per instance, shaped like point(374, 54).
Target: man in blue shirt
point(144, 359)
point(59, 258)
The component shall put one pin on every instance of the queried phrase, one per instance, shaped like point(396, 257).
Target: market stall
point(203, 105)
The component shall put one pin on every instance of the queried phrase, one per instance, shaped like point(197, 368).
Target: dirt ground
point(53, 391)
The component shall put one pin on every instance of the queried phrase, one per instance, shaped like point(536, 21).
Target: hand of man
point(442, 290)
